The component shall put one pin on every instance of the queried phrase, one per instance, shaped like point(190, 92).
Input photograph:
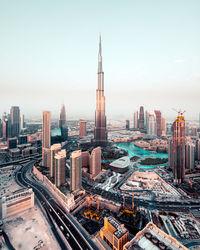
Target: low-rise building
point(114, 233)
point(17, 202)
point(151, 237)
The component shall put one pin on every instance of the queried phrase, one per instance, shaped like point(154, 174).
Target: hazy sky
point(151, 56)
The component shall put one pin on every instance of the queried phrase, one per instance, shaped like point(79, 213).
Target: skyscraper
point(15, 120)
point(82, 128)
point(189, 155)
point(95, 162)
point(46, 136)
point(136, 119)
point(158, 122)
point(75, 171)
point(60, 165)
point(127, 124)
point(55, 148)
point(141, 118)
point(163, 126)
point(178, 145)
point(151, 124)
point(197, 150)
point(100, 133)
point(62, 119)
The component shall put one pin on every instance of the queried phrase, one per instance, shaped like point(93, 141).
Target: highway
point(73, 237)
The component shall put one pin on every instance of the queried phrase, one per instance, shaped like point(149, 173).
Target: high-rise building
point(151, 125)
point(189, 155)
point(22, 122)
point(15, 120)
point(55, 148)
point(194, 131)
point(170, 154)
point(60, 166)
point(141, 118)
point(95, 162)
point(127, 124)
point(62, 119)
point(46, 157)
point(75, 171)
point(158, 122)
point(1, 128)
point(136, 119)
point(146, 118)
point(82, 128)
point(178, 145)
point(187, 130)
point(197, 150)
point(163, 126)
point(46, 134)
point(100, 132)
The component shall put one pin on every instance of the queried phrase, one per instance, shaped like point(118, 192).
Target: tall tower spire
point(100, 133)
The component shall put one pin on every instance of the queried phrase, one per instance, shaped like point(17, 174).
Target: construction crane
point(180, 113)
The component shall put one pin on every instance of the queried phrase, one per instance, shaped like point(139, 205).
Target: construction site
point(92, 212)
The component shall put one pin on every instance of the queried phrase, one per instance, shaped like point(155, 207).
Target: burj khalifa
point(100, 133)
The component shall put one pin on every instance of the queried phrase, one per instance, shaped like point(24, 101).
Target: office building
point(146, 118)
point(17, 202)
point(170, 154)
point(12, 143)
point(152, 237)
point(95, 162)
point(82, 128)
point(62, 119)
point(100, 132)
point(136, 120)
point(114, 233)
point(141, 118)
point(178, 145)
point(1, 129)
point(46, 136)
point(158, 122)
point(75, 171)
point(22, 139)
point(53, 151)
point(189, 155)
point(187, 130)
point(127, 124)
point(194, 131)
point(151, 124)
point(46, 157)
point(197, 150)
point(163, 126)
point(15, 120)
point(59, 168)
point(22, 122)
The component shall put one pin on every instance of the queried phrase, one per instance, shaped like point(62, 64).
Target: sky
point(49, 52)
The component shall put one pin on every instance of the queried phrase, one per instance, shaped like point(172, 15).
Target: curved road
point(73, 236)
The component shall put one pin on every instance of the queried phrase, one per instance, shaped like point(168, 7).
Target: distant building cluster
point(150, 121)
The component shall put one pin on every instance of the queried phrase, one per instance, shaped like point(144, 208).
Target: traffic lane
point(72, 231)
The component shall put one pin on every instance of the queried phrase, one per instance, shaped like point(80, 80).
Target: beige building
point(135, 119)
point(82, 128)
point(54, 150)
point(163, 126)
point(114, 233)
point(18, 202)
point(75, 171)
point(59, 168)
point(151, 237)
point(46, 136)
point(93, 161)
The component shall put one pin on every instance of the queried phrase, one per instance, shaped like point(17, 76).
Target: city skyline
point(162, 73)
